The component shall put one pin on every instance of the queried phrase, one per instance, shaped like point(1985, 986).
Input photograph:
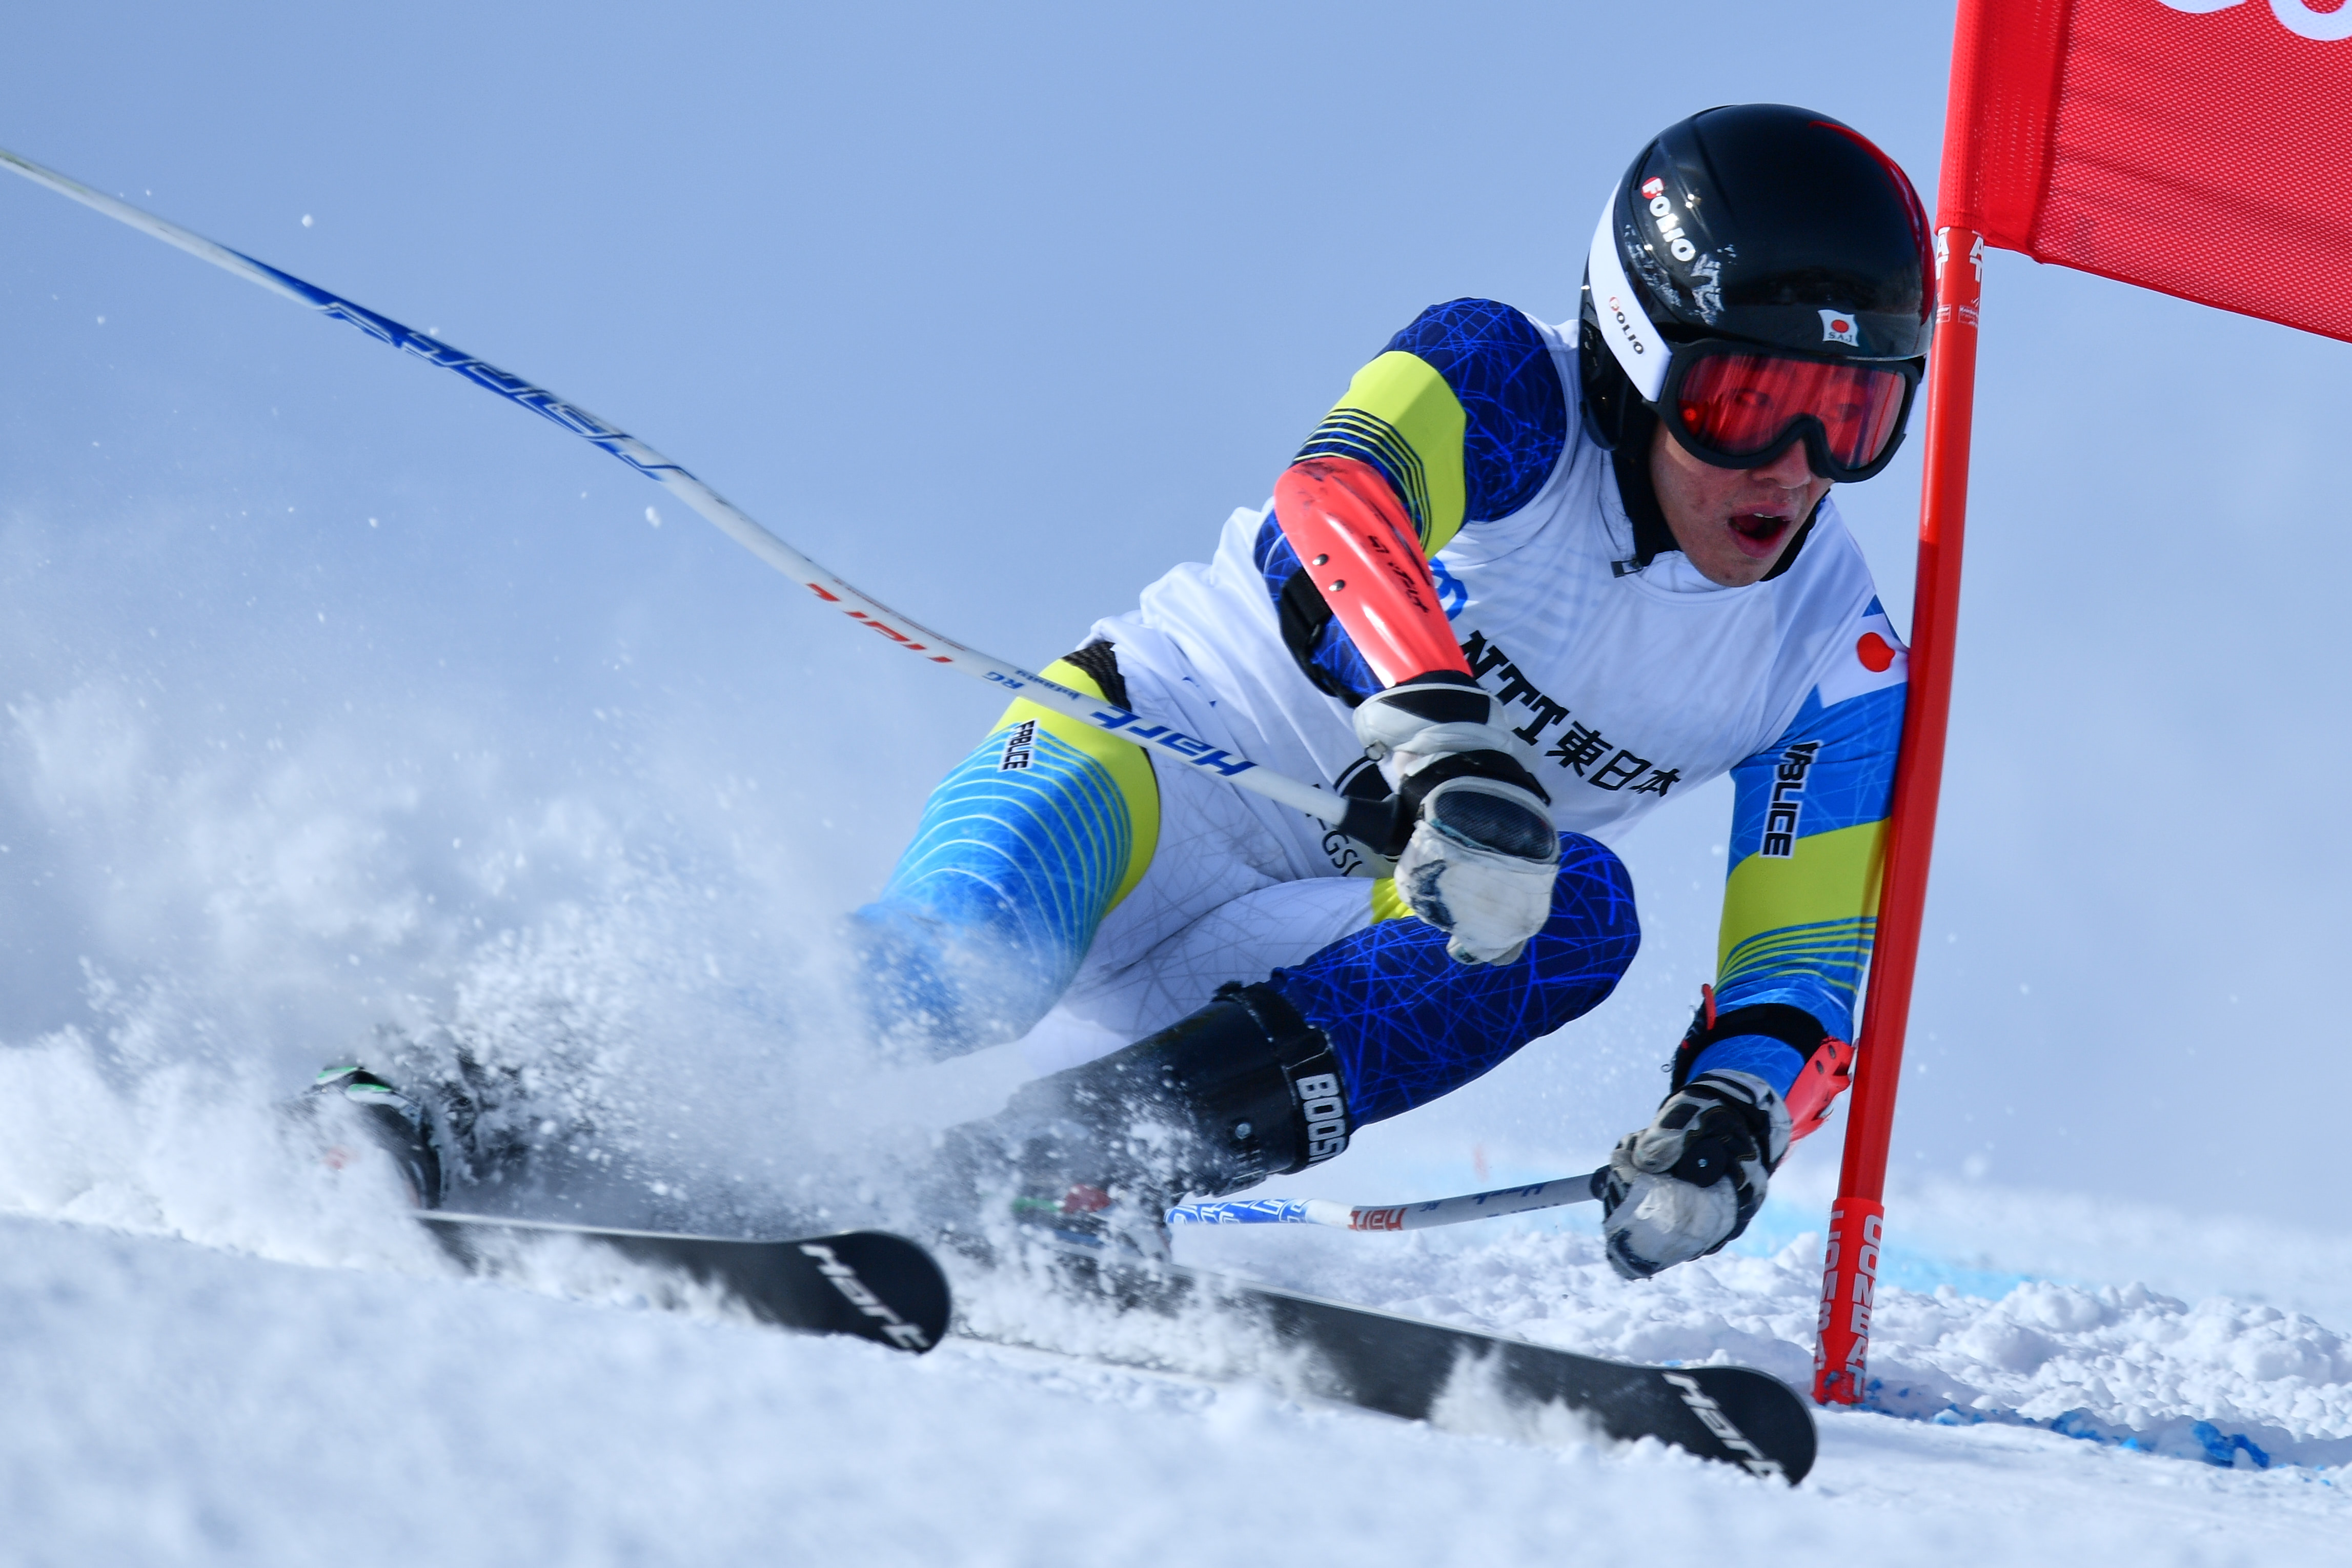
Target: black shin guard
point(1240, 1091)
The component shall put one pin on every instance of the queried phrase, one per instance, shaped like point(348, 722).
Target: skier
point(1522, 584)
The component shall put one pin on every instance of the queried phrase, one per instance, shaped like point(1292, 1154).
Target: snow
point(220, 1351)
point(2119, 1365)
point(176, 1403)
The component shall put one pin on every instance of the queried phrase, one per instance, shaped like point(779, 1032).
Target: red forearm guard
point(1353, 537)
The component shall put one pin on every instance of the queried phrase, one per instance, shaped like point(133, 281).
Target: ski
point(1404, 1366)
point(867, 1283)
point(884, 1288)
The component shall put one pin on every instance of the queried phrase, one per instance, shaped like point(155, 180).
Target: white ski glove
point(1483, 854)
point(1692, 1180)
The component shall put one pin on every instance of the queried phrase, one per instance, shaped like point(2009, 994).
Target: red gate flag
point(2200, 148)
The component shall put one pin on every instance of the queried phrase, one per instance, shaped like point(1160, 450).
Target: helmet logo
point(1651, 187)
point(1670, 225)
point(1838, 327)
point(1616, 305)
point(1631, 333)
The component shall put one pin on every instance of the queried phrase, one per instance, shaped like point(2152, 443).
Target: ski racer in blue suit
point(1523, 585)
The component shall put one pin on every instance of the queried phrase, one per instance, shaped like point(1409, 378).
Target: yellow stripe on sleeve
point(1401, 407)
point(1831, 876)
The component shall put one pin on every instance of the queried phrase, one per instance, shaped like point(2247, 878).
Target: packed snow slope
point(219, 1351)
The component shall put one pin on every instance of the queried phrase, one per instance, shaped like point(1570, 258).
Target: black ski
point(884, 1288)
point(1402, 1366)
point(865, 1282)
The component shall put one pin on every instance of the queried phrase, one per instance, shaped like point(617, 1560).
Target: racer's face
point(1733, 523)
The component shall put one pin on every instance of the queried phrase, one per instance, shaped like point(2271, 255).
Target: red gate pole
point(1850, 1272)
point(1850, 1268)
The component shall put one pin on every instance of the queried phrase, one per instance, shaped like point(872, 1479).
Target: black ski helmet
point(1757, 224)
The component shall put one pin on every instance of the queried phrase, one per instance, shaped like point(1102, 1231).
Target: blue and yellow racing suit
point(1056, 873)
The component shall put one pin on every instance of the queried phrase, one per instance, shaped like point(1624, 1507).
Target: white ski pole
point(731, 520)
point(1555, 1193)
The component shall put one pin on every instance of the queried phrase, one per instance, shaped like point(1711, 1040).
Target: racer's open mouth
point(1758, 534)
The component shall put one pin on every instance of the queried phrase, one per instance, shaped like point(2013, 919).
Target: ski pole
point(731, 520)
point(1554, 1194)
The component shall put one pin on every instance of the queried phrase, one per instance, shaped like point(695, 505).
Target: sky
point(329, 679)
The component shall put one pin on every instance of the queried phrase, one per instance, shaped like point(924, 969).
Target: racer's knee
point(1021, 851)
point(1592, 912)
point(1410, 1023)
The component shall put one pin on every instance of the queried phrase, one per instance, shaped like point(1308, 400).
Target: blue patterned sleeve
point(1514, 408)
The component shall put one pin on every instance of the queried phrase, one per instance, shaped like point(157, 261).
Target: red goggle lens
point(1742, 404)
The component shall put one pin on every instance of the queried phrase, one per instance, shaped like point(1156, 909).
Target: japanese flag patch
point(1868, 657)
point(1840, 327)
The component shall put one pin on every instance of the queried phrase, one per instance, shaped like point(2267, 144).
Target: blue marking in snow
point(2202, 1440)
point(2224, 1451)
point(1904, 1268)
point(1907, 1271)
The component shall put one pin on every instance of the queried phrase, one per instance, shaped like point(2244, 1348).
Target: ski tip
point(1754, 1420)
point(892, 1290)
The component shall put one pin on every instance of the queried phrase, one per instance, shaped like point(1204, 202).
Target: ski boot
point(398, 1126)
point(1095, 1155)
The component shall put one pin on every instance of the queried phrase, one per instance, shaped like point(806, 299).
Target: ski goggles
point(1736, 407)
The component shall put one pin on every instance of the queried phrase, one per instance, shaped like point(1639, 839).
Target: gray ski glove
point(1693, 1178)
point(1483, 853)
